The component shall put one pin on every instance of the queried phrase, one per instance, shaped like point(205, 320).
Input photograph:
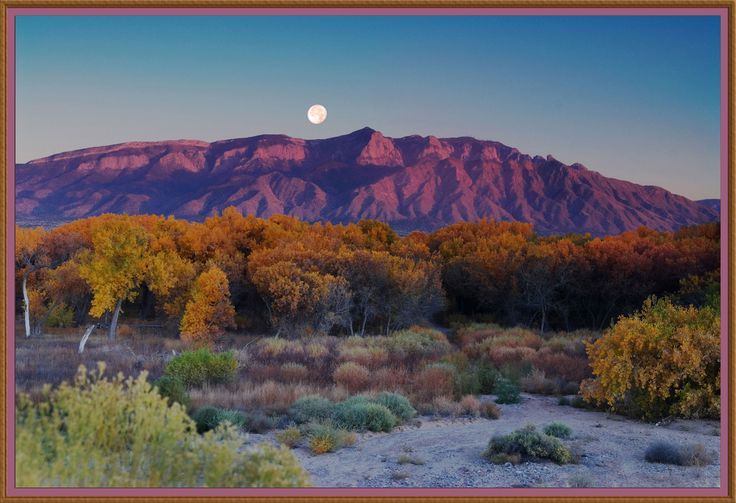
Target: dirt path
point(611, 448)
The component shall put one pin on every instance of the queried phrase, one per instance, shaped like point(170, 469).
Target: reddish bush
point(433, 381)
point(352, 376)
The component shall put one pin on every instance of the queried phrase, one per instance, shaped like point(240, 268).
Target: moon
point(317, 114)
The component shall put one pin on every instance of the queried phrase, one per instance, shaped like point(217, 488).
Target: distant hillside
point(412, 183)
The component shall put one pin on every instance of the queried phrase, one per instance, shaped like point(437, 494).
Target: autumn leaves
point(294, 278)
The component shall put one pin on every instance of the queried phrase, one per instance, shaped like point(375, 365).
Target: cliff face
point(412, 183)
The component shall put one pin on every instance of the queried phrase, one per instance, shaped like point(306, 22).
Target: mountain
point(412, 182)
point(714, 204)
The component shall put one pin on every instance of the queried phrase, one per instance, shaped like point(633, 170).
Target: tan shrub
point(352, 376)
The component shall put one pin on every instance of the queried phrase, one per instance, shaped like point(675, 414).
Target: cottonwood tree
point(115, 267)
point(30, 256)
point(209, 310)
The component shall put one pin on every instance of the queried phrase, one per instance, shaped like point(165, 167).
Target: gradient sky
point(635, 98)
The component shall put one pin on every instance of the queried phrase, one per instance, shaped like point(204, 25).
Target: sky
point(634, 98)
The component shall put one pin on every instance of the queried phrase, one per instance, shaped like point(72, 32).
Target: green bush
point(529, 444)
point(398, 404)
point(360, 414)
point(59, 315)
point(195, 368)
point(311, 408)
point(417, 343)
point(506, 392)
point(208, 418)
point(290, 437)
point(173, 389)
point(258, 422)
point(559, 430)
point(97, 432)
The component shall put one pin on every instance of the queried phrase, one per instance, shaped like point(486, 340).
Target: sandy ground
point(611, 450)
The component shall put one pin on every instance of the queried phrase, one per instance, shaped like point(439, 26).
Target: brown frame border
point(730, 5)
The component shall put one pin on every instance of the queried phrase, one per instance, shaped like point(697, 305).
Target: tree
point(115, 267)
point(209, 310)
point(663, 360)
point(30, 256)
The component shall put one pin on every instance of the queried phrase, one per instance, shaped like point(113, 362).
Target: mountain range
point(412, 183)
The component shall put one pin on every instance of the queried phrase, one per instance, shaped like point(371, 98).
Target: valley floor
point(611, 450)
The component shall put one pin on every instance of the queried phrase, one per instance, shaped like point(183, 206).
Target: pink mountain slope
point(412, 183)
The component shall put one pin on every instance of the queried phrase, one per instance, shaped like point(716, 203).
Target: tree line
point(294, 278)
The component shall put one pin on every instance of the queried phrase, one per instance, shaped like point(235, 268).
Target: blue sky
point(635, 98)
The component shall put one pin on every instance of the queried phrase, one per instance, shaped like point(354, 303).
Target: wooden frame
point(6, 7)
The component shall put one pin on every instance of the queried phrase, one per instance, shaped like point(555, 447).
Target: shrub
point(559, 430)
point(470, 405)
point(435, 380)
point(538, 382)
point(579, 403)
point(311, 408)
point(173, 389)
point(563, 400)
point(293, 372)
point(405, 459)
point(316, 351)
point(671, 454)
point(529, 444)
point(445, 406)
point(208, 418)
point(696, 455)
point(60, 315)
point(665, 357)
point(417, 343)
point(290, 437)
point(353, 376)
point(359, 414)
point(195, 368)
point(501, 458)
point(489, 410)
point(397, 404)
point(580, 481)
point(257, 422)
point(507, 392)
point(324, 437)
point(125, 434)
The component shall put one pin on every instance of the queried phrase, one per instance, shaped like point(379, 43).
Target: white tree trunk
point(87, 333)
point(26, 306)
point(114, 324)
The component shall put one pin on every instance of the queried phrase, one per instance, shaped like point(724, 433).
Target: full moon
point(317, 114)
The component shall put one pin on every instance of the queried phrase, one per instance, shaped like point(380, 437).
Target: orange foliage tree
point(209, 311)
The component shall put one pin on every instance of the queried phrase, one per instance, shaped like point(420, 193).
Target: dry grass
point(52, 359)
point(269, 396)
point(469, 405)
point(353, 376)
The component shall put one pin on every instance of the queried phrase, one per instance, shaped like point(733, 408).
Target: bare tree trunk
point(114, 323)
point(26, 305)
point(86, 335)
point(365, 320)
point(544, 319)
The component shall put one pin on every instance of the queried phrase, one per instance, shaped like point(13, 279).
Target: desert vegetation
point(314, 334)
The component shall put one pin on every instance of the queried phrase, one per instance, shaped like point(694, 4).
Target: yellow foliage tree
point(209, 310)
point(116, 266)
point(663, 360)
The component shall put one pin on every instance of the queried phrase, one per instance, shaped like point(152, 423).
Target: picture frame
point(9, 9)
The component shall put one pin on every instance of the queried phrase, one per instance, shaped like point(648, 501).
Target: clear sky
point(635, 98)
